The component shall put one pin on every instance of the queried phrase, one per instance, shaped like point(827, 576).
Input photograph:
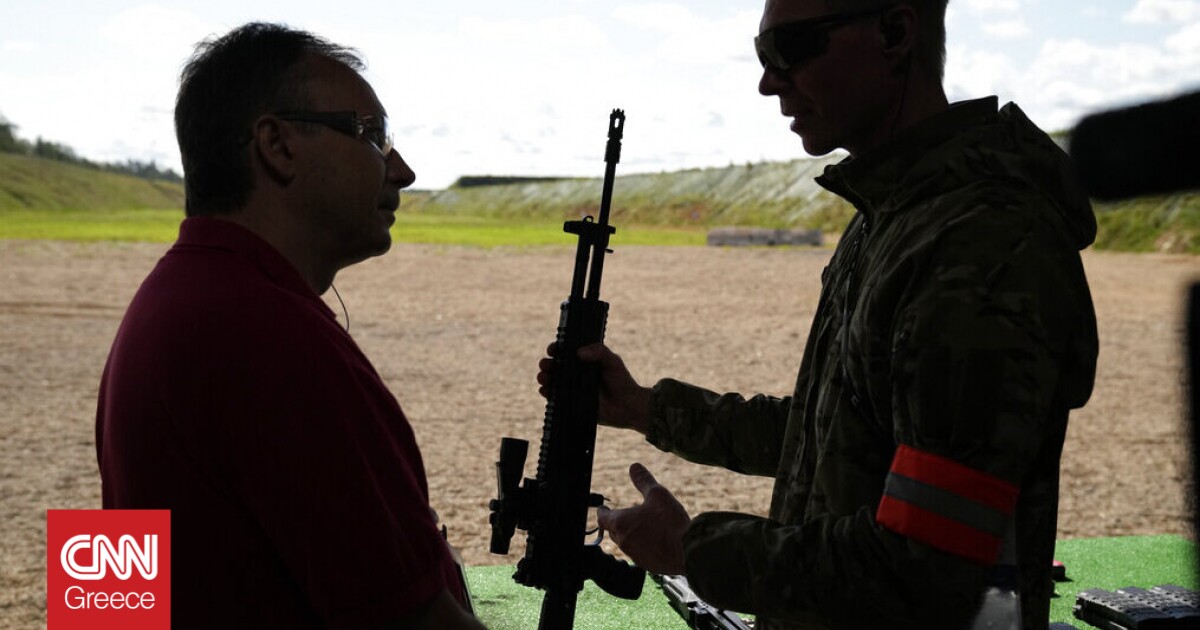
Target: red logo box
point(108, 569)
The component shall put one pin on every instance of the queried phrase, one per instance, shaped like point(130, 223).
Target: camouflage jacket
point(955, 331)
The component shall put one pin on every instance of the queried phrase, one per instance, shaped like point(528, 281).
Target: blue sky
point(524, 87)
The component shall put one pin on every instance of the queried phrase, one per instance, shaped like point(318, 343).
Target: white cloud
point(526, 90)
point(1163, 12)
point(993, 6)
point(974, 73)
point(18, 46)
point(686, 38)
point(151, 28)
point(1069, 78)
point(1186, 43)
point(1007, 29)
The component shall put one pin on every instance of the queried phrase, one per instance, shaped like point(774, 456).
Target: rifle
point(698, 613)
point(553, 507)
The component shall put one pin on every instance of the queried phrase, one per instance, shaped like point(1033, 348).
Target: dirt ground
point(457, 333)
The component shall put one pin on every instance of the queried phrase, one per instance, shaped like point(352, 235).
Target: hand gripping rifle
point(553, 507)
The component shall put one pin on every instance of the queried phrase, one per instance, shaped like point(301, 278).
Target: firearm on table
point(698, 613)
point(553, 507)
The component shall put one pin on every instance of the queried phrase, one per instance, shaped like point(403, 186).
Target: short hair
point(931, 47)
point(227, 83)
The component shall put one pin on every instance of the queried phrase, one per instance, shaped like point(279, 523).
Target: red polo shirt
point(233, 398)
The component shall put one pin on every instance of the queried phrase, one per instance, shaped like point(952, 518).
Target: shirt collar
point(216, 233)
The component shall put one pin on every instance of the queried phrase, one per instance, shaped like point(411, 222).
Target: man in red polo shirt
point(233, 398)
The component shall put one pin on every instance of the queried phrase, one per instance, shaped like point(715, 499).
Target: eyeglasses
point(373, 129)
point(794, 43)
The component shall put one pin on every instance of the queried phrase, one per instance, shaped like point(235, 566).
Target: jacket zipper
point(858, 246)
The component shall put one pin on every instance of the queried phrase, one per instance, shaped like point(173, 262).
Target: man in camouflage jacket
point(917, 460)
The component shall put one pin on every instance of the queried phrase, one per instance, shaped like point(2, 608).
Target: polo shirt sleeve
point(320, 454)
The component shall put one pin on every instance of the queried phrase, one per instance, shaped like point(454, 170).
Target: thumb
point(596, 352)
point(642, 479)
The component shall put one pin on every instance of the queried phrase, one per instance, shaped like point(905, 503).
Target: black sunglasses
point(794, 43)
point(373, 129)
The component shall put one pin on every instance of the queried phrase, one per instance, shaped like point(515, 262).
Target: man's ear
point(898, 32)
point(272, 142)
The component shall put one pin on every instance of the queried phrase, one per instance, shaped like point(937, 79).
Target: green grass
point(43, 199)
point(1155, 223)
point(496, 231)
point(162, 226)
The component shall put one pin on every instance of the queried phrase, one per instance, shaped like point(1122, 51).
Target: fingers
point(604, 517)
point(545, 369)
point(642, 479)
point(598, 353)
point(650, 533)
point(612, 521)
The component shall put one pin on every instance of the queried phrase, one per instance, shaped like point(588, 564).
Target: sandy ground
point(457, 332)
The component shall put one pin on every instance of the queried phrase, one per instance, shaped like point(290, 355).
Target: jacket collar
point(881, 178)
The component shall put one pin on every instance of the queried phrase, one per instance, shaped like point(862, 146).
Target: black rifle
point(553, 507)
point(698, 613)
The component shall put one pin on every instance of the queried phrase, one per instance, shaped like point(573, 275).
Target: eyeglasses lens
point(377, 132)
point(791, 44)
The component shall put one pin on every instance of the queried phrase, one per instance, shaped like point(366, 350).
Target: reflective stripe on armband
point(946, 505)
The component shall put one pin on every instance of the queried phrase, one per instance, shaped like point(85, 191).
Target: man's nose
point(398, 170)
point(772, 83)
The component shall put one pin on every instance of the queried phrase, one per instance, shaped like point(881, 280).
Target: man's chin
point(816, 147)
point(382, 245)
point(378, 245)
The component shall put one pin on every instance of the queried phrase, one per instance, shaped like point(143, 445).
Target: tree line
point(10, 142)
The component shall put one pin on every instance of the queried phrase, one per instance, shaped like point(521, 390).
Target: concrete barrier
point(748, 236)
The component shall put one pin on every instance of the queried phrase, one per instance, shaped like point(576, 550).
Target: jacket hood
point(968, 144)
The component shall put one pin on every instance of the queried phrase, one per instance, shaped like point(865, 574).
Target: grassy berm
point(769, 194)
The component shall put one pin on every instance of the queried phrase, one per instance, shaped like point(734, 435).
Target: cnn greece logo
point(108, 569)
point(122, 557)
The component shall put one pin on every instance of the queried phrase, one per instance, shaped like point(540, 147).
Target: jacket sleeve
point(743, 435)
point(993, 339)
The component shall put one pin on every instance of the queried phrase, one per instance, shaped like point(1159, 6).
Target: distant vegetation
point(773, 194)
point(10, 142)
point(43, 197)
point(1163, 223)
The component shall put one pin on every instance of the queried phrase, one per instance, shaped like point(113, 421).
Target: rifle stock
point(553, 507)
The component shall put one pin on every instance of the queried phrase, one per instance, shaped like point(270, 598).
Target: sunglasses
point(794, 43)
point(373, 129)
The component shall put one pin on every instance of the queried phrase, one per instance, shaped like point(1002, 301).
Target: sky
point(525, 87)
